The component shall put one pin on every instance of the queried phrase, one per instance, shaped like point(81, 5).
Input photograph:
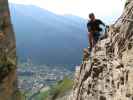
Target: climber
point(94, 30)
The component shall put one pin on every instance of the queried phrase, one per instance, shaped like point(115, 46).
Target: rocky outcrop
point(8, 80)
point(109, 74)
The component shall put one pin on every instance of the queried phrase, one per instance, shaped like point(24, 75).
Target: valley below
point(34, 79)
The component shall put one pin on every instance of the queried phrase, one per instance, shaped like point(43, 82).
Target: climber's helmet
point(91, 16)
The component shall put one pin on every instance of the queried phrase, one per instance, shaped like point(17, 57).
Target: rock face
point(109, 75)
point(8, 83)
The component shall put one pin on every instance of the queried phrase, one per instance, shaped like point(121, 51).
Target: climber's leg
point(96, 36)
point(90, 36)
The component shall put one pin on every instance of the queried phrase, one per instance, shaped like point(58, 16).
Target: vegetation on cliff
point(60, 89)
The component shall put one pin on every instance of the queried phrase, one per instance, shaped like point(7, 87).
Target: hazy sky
point(102, 8)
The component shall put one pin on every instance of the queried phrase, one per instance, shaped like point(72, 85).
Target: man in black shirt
point(94, 30)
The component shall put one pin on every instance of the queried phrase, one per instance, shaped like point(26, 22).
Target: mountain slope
point(46, 37)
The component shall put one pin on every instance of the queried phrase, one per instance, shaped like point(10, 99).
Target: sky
point(102, 8)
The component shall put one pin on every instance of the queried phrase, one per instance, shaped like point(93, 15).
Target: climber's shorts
point(96, 36)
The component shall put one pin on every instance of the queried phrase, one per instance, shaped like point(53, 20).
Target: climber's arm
point(102, 23)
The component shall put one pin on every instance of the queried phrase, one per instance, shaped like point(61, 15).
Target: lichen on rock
point(8, 78)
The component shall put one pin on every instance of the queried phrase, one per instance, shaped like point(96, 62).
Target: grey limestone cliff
point(109, 76)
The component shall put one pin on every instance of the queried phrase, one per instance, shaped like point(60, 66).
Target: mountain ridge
point(61, 36)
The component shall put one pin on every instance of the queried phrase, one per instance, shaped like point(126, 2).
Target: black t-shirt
point(94, 25)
